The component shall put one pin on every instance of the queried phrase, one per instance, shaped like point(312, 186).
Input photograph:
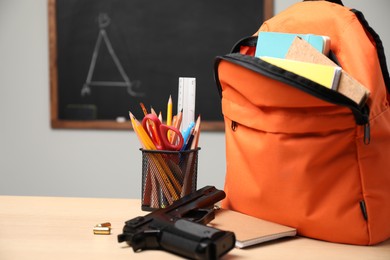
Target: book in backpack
point(300, 152)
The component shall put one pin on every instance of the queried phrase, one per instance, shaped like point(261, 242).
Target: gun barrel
point(201, 199)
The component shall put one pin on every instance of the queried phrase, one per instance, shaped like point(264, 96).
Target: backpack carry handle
point(332, 1)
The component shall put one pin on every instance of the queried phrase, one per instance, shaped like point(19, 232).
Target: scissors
point(159, 134)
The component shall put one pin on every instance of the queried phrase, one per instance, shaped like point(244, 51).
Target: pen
point(186, 134)
point(189, 142)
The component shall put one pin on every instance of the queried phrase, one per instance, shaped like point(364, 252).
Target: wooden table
point(61, 228)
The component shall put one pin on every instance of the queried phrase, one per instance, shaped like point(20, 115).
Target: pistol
point(180, 228)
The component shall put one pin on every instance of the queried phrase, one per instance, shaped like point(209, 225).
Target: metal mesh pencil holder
point(167, 176)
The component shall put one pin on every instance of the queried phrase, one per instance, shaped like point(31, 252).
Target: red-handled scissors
point(158, 132)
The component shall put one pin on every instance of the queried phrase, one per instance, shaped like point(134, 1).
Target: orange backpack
point(300, 154)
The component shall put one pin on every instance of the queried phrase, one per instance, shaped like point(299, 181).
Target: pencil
point(153, 111)
point(169, 116)
point(195, 141)
point(147, 143)
point(143, 108)
point(149, 188)
point(154, 201)
point(169, 111)
point(158, 160)
point(177, 124)
point(190, 162)
point(151, 127)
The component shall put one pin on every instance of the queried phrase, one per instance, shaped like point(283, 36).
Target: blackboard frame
point(57, 122)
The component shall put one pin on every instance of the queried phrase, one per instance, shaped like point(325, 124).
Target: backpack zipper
point(361, 113)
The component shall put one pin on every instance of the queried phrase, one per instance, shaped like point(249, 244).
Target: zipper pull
point(367, 134)
point(233, 126)
point(367, 130)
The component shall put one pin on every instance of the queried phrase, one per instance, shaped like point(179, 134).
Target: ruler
point(186, 100)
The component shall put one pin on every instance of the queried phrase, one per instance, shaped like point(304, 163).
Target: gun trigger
point(201, 216)
point(208, 217)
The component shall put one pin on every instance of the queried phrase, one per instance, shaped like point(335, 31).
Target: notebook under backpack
point(303, 155)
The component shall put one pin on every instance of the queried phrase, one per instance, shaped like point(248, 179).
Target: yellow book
point(327, 76)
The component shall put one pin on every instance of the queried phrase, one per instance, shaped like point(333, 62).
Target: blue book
point(275, 44)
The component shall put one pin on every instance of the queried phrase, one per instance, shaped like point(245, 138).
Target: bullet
point(101, 230)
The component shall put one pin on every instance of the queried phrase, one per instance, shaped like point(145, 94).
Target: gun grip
point(148, 239)
point(196, 241)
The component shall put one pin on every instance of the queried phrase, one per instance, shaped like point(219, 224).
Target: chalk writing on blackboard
point(132, 86)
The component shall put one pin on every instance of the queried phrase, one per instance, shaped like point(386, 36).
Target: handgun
point(180, 228)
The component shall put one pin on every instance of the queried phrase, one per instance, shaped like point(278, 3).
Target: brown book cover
point(301, 50)
point(249, 230)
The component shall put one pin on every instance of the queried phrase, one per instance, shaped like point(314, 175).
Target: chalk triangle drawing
point(132, 86)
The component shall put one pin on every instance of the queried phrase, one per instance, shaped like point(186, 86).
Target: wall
point(37, 160)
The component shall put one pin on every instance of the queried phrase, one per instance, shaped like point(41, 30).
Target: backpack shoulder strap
point(379, 47)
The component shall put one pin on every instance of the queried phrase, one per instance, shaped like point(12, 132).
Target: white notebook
point(249, 230)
